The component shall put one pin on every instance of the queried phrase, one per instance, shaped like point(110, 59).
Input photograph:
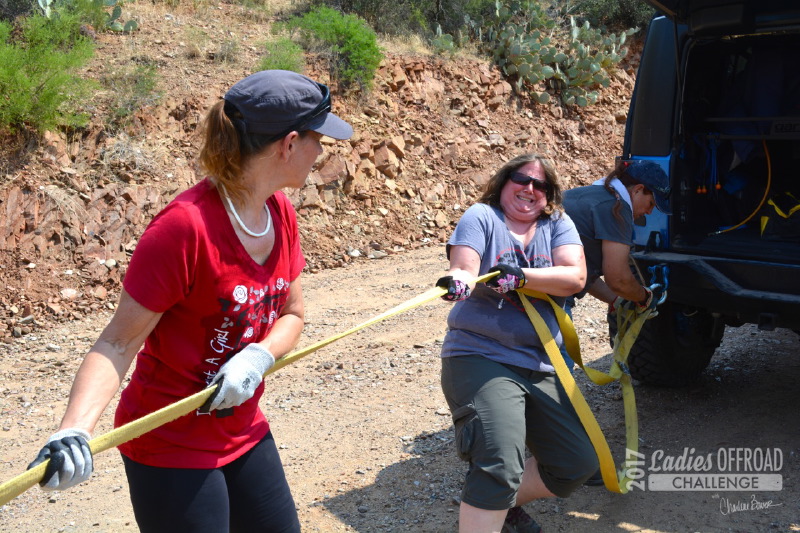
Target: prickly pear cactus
point(114, 23)
point(543, 59)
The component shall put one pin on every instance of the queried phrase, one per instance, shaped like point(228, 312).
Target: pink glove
point(457, 290)
point(511, 278)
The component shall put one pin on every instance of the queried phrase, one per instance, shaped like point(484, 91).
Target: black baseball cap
point(277, 102)
point(652, 176)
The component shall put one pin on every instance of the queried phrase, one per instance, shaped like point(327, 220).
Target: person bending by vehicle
point(603, 213)
point(213, 291)
point(497, 379)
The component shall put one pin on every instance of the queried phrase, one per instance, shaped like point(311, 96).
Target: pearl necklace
point(239, 220)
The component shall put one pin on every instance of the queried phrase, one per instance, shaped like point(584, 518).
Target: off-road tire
point(673, 348)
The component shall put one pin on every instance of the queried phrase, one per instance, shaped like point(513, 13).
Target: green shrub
point(89, 12)
point(402, 17)
point(615, 14)
point(39, 77)
point(132, 89)
point(385, 16)
point(348, 43)
point(62, 29)
point(283, 54)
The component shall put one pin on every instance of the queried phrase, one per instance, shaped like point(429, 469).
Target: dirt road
point(366, 438)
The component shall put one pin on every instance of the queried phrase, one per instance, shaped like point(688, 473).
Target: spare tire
point(673, 348)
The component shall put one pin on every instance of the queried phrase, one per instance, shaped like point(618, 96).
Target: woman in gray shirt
point(603, 213)
point(496, 375)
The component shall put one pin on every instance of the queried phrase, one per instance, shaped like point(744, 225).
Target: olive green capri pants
point(497, 410)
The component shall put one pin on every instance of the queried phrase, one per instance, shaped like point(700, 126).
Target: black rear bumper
point(742, 291)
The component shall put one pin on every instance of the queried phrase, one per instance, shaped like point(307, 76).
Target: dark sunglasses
point(523, 179)
point(303, 122)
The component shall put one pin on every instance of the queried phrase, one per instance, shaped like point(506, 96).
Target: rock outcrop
point(427, 138)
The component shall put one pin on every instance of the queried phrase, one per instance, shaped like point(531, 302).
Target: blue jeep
point(717, 105)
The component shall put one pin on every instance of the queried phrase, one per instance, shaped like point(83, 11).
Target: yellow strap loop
point(19, 484)
point(629, 323)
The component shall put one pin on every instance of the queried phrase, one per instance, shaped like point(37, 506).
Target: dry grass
point(65, 201)
point(288, 8)
point(196, 41)
point(415, 45)
point(133, 155)
point(405, 45)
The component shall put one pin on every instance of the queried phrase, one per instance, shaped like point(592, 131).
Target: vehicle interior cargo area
point(739, 151)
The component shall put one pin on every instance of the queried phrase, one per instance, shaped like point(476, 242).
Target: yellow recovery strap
point(19, 484)
point(629, 323)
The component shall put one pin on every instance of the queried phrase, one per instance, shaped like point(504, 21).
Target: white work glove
point(70, 459)
point(241, 374)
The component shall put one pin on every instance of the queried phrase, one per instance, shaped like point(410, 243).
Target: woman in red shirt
point(213, 291)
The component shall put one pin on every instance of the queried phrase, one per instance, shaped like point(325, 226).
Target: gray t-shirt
point(591, 208)
point(495, 325)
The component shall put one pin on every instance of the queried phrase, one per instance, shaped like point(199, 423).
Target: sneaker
point(518, 521)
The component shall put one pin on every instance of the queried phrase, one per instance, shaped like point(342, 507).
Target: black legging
point(248, 495)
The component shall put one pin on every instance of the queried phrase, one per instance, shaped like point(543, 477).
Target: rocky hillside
point(427, 137)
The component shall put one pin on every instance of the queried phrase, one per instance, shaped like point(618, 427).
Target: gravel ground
point(366, 438)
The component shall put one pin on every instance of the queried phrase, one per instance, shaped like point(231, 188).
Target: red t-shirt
point(191, 266)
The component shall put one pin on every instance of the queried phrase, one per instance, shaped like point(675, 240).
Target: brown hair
point(227, 146)
point(491, 192)
point(626, 180)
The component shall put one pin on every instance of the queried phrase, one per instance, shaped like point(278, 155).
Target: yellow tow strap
point(629, 323)
point(19, 484)
point(627, 332)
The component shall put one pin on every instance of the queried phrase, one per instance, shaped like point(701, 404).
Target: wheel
point(673, 348)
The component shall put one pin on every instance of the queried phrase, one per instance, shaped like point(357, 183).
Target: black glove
point(511, 278)
point(70, 459)
point(457, 290)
